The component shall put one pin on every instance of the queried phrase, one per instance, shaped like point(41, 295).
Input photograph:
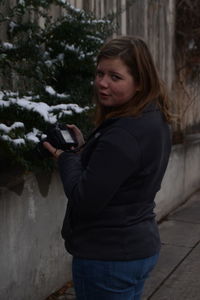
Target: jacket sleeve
point(115, 158)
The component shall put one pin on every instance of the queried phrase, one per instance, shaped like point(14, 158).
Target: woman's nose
point(103, 82)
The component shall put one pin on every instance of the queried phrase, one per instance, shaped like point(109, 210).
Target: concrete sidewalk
point(177, 274)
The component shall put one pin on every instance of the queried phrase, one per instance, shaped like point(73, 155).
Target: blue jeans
point(111, 280)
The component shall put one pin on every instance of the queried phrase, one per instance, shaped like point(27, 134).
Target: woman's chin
point(105, 102)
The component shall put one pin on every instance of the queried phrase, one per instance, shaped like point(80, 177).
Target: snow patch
point(16, 142)
point(8, 46)
point(7, 129)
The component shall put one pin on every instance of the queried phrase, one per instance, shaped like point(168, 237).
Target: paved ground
point(177, 275)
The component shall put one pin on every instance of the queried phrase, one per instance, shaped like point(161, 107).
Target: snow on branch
point(47, 112)
point(32, 136)
point(7, 129)
point(16, 142)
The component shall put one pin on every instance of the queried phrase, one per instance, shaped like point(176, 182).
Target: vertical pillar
point(79, 4)
point(123, 17)
point(72, 2)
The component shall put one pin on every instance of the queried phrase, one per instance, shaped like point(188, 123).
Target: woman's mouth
point(104, 95)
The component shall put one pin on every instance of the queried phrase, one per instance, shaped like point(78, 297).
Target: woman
point(109, 226)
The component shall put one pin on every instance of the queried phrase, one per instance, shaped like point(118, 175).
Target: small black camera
point(60, 137)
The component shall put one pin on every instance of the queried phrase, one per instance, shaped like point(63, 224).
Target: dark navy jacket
point(111, 188)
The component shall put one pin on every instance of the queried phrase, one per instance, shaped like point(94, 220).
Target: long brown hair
point(134, 52)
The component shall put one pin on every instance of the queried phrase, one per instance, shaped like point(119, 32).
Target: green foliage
point(46, 62)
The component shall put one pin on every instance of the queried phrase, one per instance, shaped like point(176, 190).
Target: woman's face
point(114, 84)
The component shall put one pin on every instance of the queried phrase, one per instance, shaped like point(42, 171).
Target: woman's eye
point(99, 73)
point(115, 77)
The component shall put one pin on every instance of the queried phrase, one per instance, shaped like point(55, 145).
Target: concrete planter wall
point(182, 177)
point(33, 261)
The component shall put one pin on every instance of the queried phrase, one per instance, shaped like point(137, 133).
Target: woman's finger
point(55, 152)
point(49, 147)
point(78, 134)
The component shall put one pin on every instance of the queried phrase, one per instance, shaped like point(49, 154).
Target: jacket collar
point(148, 108)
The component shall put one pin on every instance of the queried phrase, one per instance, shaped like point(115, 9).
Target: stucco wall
point(33, 261)
point(182, 177)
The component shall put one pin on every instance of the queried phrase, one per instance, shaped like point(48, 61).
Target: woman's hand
point(55, 152)
point(78, 134)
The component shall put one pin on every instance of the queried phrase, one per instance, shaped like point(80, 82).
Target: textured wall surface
point(182, 177)
point(33, 260)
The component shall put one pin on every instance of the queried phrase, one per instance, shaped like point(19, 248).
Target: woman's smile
point(103, 95)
